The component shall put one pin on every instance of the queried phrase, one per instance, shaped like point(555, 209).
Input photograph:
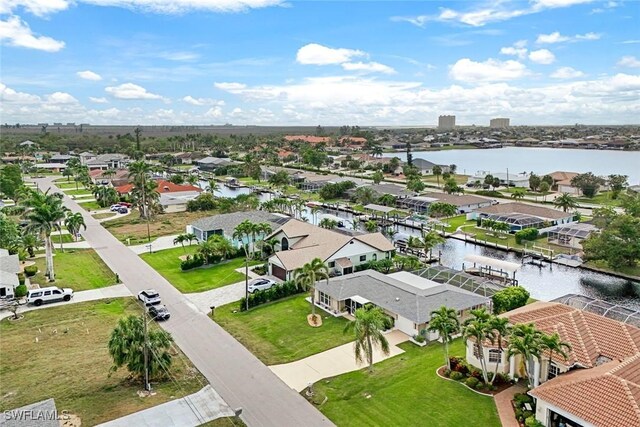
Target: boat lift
point(495, 269)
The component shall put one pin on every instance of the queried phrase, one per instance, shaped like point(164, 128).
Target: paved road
point(236, 374)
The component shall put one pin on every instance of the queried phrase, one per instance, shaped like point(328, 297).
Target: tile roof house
point(299, 242)
point(224, 224)
point(308, 138)
point(9, 269)
point(598, 345)
point(162, 187)
point(605, 396)
point(121, 177)
point(406, 297)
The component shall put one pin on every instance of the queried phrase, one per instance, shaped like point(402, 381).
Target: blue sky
point(269, 62)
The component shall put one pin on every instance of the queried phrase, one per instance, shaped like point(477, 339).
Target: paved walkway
point(161, 243)
point(193, 410)
point(236, 374)
point(115, 291)
point(336, 361)
point(217, 297)
point(503, 403)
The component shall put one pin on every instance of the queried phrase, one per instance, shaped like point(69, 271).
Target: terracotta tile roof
point(593, 338)
point(562, 175)
point(522, 208)
point(308, 138)
point(163, 187)
point(605, 396)
point(354, 139)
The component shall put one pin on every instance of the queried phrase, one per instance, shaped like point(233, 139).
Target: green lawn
point(79, 270)
point(66, 238)
point(602, 198)
point(510, 240)
point(72, 365)
point(80, 192)
point(455, 222)
point(71, 185)
point(225, 422)
point(460, 179)
point(104, 215)
point(405, 391)
point(278, 332)
point(602, 265)
point(90, 206)
point(166, 262)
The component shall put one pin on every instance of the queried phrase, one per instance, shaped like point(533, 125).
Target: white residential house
point(9, 269)
point(300, 242)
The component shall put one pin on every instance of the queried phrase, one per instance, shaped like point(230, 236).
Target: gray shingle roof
point(228, 222)
point(405, 294)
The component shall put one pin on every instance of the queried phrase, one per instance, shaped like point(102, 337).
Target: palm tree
point(307, 276)
point(501, 329)
point(241, 233)
point(430, 240)
point(387, 200)
point(367, 326)
point(566, 201)
point(518, 193)
point(221, 246)
point(105, 196)
point(328, 223)
point(364, 195)
point(479, 328)
point(109, 173)
point(144, 191)
point(207, 249)
point(526, 341)
point(190, 237)
point(445, 322)
point(213, 186)
point(441, 209)
point(314, 212)
point(554, 344)
point(371, 226)
point(30, 243)
point(180, 239)
point(437, 171)
point(73, 222)
point(45, 214)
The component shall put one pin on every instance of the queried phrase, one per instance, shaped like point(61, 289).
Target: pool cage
point(602, 308)
point(441, 274)
point(564, 235)
point(416, 204)
point(517, 219)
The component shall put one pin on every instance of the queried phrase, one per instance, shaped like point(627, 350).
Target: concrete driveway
point(336, 361)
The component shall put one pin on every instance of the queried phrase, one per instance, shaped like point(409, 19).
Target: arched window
point(284, 244)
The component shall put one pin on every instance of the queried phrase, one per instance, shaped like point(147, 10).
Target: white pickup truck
point(41, 296)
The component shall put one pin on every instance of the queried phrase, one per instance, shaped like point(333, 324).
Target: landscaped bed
point(167, 263)
point(79, 270)
point(278, 332)
point(404, 391)
point(61, 352)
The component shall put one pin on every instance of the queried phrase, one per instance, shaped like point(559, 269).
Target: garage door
point(279, 272)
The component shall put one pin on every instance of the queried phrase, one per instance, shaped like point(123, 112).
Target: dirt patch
point(314, 320)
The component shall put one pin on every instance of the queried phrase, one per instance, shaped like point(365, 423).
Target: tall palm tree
point(74, 222)
point(367, 326)
point(105, 196)
point(109, 173)
point(314, 212)
point(437, 171)
point(221, 246)
point(479, 328)
point(307, 276)
point(241, 233)
point(190, 237)
point(526, 341)
point(554, 344)
point(430, 240)
point(566, 201)
point(213, 186)
point(501, 329)
point(371, 226)
point(144, 191)
point(518, 193)
point(445, 322)
point(44, 216)
point(180, 239)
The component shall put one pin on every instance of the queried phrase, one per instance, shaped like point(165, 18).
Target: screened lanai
point(441, 274)
point(602, 308)
point(517, 221)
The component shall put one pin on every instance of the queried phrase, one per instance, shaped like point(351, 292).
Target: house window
point(325, 299)
point(374, 257)
point(284, 244)
point(332, 264)
point(495, 356)
point(553, 371)
point(363, 258)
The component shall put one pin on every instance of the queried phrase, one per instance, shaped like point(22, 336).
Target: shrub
point(21, 278)
point(502, 379)
point(509, 299)
point(532, 422)
point(518, 413)
point(191, 262)
point(457, 376)
point(388, 323)
point(418, 338)
point(274, 293)
point(527, 414)
point(20, 291)
point(482, 386)
point(472, 382)
point(529, 234)
point(446, 372)
point(475, 373)
point(31, 270)
point(489, 193)
point(521, 399)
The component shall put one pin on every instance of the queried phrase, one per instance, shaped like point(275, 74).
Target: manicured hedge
point(274, 293)
point(31, 270)
point(527, 234)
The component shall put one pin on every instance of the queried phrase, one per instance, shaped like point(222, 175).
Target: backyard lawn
point(278, 332)
point(135, 228)
point(104, 215)
point(510, 240)
point(79, 270)
point(167, 263)
point(89, 206)
point(405, 391)
point(65, 238)
point(72, 364)
point(455, 222)
point(71, 185)
point(602, 198)
point(74, 192)
point(602, 265)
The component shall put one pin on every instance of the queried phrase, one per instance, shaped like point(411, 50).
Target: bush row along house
point(597, 385)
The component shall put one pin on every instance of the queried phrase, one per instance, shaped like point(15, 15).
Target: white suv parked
point(149, 297)
point(260, 284)
point(41, 296)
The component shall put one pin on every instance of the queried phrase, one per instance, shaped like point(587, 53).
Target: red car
point(126, 204)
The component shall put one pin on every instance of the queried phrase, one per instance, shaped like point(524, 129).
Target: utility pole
point(147, 386)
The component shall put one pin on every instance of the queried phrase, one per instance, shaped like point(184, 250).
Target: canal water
point(544, 283)
point(538, 160)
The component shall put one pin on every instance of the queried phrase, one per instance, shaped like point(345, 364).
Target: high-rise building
point(446, 122)
point(499, 123)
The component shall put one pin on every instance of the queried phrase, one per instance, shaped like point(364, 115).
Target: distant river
point(538, 160)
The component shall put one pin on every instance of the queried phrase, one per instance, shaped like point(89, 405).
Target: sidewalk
point(193, 410)
point(339, 360)
point(115, 291)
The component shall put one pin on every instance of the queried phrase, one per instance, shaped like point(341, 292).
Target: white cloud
point(631, 42)
point(179, 56)
point(89, 75)
point(201, 101)
point(229, 86)
point(184, 6)
point(490, 70)
point(131, 91)
point(101, 100)
point(629, 62)
point(517, 49)
point(368, 67)
point(556, 37)
point(487, 13)
point(566, 73)
point(60, 98)
point(316, 54)
point(214, 112)
point(35, 7)
point(542, 56)
point(15, 32)
point(8, 95)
